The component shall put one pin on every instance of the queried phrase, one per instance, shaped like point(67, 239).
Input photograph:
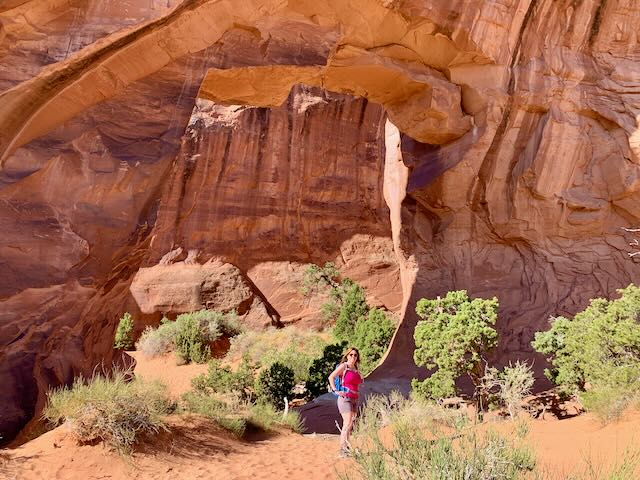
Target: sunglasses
point(352, 354)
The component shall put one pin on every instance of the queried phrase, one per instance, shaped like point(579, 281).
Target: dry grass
point(110, 409)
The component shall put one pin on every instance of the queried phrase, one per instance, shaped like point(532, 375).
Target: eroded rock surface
point(255, 132)
point(188, 287)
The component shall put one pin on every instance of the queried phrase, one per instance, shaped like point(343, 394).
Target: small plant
point(189, 335)
point(275, 383)
point(513, 384)
point(124, 333)
point(191, 340)
point(113, 410)
point(454, 334)
point(158, 341)
point(217, 410)
point(221, 379)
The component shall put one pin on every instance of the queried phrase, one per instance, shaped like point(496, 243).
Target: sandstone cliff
point(255, 132)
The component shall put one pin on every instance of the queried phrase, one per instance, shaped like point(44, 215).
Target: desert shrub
point(215, 324)
point(191, 340)
point(158, 341)
point(452, 337)
point(315, 277)
point(215, 409)
point(265, 417)
point(354, 308)
point(371, 337)
point(429, 443)
point(275, 383)
point(599, 348)
point(113, 410)
point(288, 346)
point(189, 335)
point(124, 333)
point(221, 379)
point(322, 367)
point(512, 385)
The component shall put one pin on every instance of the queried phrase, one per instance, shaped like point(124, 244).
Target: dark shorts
point(346, 405)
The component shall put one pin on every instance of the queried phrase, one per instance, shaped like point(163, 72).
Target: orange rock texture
point(422, 146)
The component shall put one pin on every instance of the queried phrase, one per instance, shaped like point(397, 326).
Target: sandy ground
point(177, 378)
point(195, 447)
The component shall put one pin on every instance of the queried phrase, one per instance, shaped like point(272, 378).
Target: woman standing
point(347, 370)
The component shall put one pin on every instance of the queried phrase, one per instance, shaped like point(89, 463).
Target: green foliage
point(191, 340)
point(265, 417)
point(371, 337)
point(221, 379)
point(599, 348)
point(275, 383)
point(321, 368)
point(315, 276)
point(452, 336)
point(293, 347)
point(124, 333)
point(114, 410)
point(424, 447)
point(217, 410)
point(369, 330)
point(189, 336)
point(354, 308)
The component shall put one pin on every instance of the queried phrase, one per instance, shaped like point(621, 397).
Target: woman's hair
point(347, 352)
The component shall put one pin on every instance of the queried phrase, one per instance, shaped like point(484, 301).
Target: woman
point(348, 398)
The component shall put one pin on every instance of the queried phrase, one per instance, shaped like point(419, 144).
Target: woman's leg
point(347, 421)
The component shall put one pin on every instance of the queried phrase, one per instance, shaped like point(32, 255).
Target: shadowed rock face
point(255, 132)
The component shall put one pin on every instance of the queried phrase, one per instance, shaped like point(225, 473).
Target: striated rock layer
point(255, 132)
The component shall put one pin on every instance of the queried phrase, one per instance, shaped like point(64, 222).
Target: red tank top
point(352, 381)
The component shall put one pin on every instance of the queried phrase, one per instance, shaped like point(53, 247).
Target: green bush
point(189, 335)
point(354, 308)
point(221, 379)
point(371, 337)
point(192, 343)
point(275, 383)
point(598, 348)
point(114, 410)
point(452, 337)
point(322, 367)
point(124, 333)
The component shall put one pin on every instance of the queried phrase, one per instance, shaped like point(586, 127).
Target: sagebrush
point(112, 409)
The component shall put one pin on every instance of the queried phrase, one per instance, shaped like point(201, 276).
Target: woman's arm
point(338, 371)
